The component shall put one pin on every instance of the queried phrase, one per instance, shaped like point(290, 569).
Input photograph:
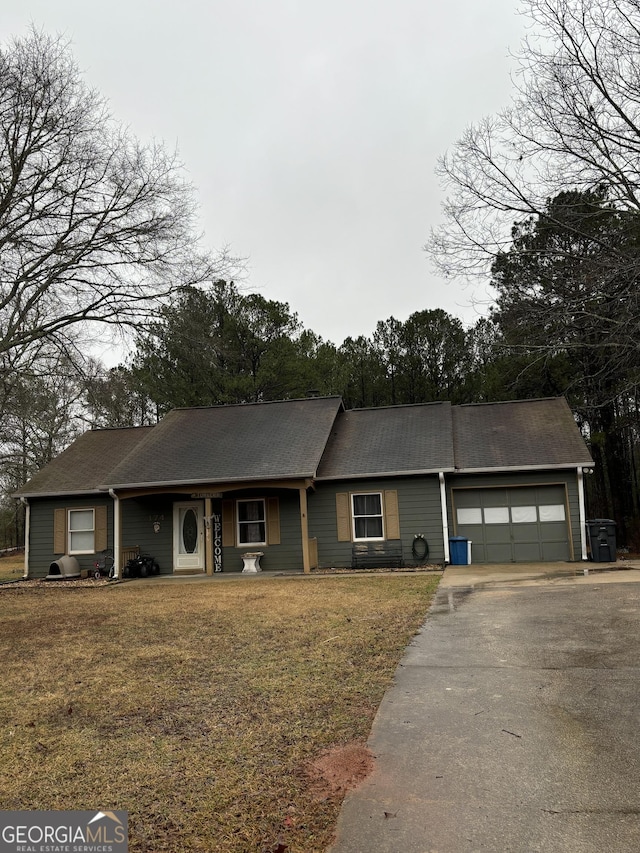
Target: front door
point(188, 536)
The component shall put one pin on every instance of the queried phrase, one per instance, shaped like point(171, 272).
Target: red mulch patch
point(340, 769)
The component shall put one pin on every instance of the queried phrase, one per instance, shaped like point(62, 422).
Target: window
point(529, 514)
point(551, 512)
point(469, 515)
point(367, 516)
point(252, 522)
point(81, 531)
point(496, 515)
point(524, 514)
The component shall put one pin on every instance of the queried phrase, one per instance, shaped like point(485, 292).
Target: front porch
point(208, 530)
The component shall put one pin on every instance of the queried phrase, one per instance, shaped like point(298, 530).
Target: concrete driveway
point(513, 723)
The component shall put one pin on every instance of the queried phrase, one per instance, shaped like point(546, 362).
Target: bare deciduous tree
point(94, 226)
point(574, 124)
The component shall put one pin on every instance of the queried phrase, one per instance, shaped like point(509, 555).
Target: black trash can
point(602, 540)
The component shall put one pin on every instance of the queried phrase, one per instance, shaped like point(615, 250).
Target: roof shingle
point(392, 440)
point(85, 464)
point(259, 441)
point(518, 434)
point(315, 437)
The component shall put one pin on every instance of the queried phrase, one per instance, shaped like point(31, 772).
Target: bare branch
point(574, 123)
point(94, 226)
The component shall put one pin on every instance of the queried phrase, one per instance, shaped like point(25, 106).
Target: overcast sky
point(311, 130)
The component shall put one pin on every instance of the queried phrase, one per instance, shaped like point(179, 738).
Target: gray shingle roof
point(397, 439)
point(315, 437)
point(83, 466)
point(259, 441)
point(520, 434)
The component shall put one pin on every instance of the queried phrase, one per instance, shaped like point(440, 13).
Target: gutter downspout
point(583, 517)
point(116, 535)
point(27, 535)
point(445, 522)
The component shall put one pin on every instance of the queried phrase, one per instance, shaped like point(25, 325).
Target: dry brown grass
point(196, 706)
point(11, 567)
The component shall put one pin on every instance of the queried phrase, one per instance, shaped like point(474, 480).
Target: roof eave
point(207, 481)
point(507, 469)
point(65, 493)
point(372, 474)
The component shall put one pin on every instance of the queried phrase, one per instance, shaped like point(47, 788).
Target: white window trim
point(91, 529)
point(353, 518)
point(239, 523)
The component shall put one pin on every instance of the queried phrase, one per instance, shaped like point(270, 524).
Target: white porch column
point(445, 521)
point(117, 545)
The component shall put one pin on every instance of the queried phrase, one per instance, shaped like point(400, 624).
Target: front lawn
point(198, 707)
point(11, 567)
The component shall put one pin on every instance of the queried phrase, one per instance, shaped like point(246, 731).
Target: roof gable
point(259, 441)
point(83, 466)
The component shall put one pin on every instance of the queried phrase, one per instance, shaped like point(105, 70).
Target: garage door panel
point(557, 492)
point(554, 532)
point(527, 552)
point(523, 496)
point(469, 497)
point(555, 551)
point(519, 524)
point(525, 532)
point(478, 551)
point(498, 553)
point(496, 534)
point(472, 531)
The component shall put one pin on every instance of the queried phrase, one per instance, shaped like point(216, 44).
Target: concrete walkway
point(513, 723)
point(480, 576)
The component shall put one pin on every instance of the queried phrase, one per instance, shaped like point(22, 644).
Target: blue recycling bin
point(460, 550)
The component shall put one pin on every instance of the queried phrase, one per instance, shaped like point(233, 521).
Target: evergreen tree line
point(562, 324)
point(97, 228)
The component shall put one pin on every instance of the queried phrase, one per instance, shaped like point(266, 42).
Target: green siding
point(41, 553)
point(285, 557)
point(138, 516)
point(418, 504)
point(419, 511)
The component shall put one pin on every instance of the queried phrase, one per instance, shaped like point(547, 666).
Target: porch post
point(208, 537)
point(445, 522)
point(117, 547)
point(304, 525)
